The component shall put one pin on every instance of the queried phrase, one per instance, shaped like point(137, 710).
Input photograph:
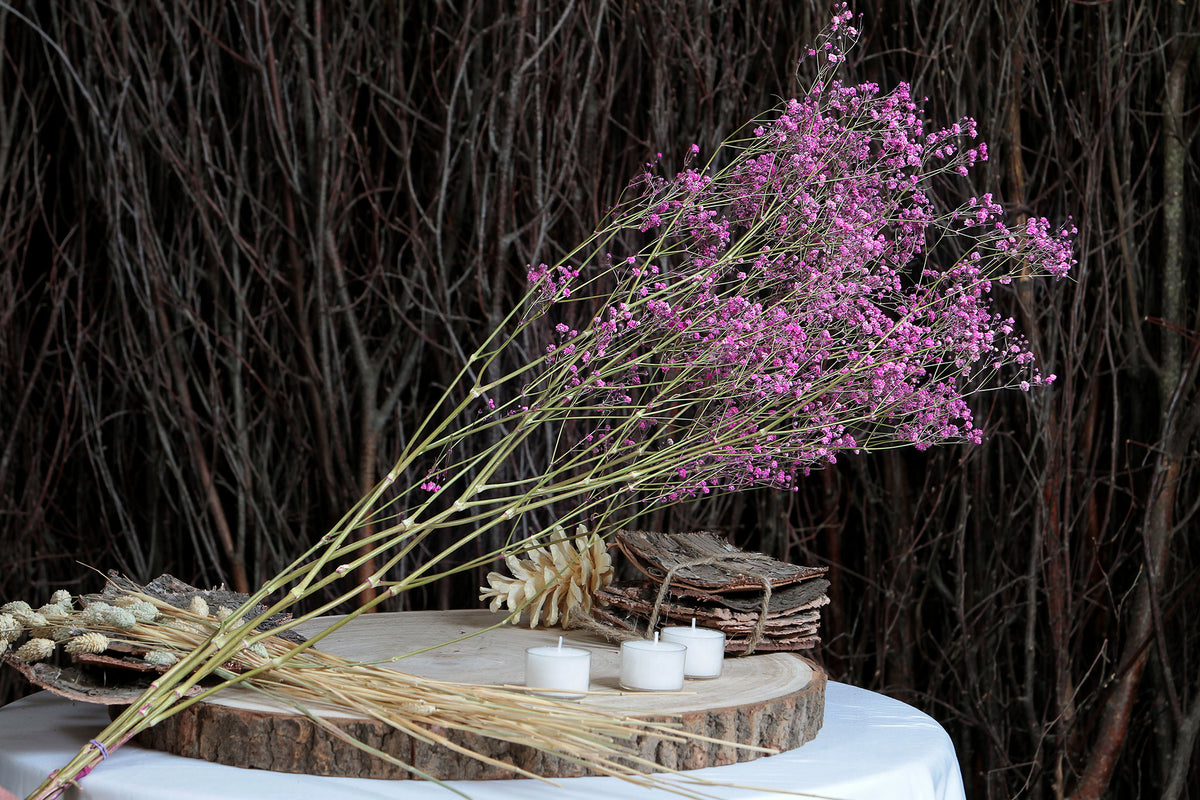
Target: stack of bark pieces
point(719, 586)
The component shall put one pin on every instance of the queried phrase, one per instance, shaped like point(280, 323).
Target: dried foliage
point(242, 243)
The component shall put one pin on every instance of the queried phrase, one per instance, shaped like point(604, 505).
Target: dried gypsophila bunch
point(560, 578)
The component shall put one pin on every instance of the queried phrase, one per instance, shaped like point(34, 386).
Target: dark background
point(243, 243)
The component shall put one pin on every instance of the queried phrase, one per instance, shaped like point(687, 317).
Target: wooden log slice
point(773, 700)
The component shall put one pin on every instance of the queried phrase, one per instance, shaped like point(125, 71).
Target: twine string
point(759, 624)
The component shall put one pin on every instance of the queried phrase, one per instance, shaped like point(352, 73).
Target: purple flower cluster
point(808, 298)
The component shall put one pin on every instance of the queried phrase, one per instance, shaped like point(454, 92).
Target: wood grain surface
point(774, 700)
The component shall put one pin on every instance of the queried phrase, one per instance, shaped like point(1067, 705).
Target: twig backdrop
point(245, 243)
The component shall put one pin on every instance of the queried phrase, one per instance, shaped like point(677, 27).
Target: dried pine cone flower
point(560, 578)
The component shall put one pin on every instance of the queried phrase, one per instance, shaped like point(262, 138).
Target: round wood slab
point(774, 700)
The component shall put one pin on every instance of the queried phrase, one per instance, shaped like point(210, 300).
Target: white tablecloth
point(870, 747)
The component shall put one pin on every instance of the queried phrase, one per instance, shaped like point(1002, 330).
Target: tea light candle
point(705, 650)
point(567, 668)
point(652, 666)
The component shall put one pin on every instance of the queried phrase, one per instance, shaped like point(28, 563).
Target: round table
point(869, 747)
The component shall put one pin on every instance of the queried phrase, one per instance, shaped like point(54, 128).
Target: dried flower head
point(223, 613)
point(122, 619)
point(94, 612)
point(90, 642)
point(160, 658)
point(15, 606)
point(10, 629)
point(53, 610)
point(35, 650)
point(561, 578)
point(103, 615)
point(54, 632)
point(143, 611)
point(62, 597)
point(30, 619)
point(198, 606)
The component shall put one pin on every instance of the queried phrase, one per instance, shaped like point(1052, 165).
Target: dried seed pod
point(223, 613)
point(35, 650)
point(198, 606)
point(90, 642)
point(94, 613)
point(9, 627)
point(15, 606)
point(53, 632)
point(160, 658)
point(143, 611)
point(52, 610)
point(560, 578)
point(122, 619)
point(102, 615)
point(30, 619)
point(62, 598)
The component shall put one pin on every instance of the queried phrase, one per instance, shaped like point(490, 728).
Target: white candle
point(705, 650)
point(652, 666)
point(567, 668)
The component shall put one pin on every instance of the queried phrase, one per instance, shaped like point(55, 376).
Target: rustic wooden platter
point(774, 700)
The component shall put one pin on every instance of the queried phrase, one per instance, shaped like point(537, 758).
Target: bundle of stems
point(800, 296)
point(309, 680)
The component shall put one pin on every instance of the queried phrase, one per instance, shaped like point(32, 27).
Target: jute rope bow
point(759, 625)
